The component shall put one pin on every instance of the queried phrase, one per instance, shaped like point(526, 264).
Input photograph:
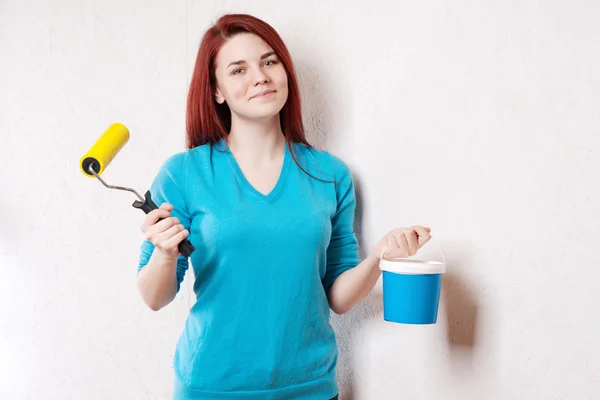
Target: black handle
point(185, 247)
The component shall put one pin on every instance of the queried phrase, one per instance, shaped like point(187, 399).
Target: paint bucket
point(411, 289)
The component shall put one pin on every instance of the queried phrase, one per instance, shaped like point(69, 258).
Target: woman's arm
point(157, 281)
point(355, 284)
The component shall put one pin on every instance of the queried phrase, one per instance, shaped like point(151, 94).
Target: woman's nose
point(260, 77)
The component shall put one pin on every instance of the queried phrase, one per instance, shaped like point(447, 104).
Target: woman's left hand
point(401, 242)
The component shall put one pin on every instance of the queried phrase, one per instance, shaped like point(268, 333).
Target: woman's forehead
point(242, 47)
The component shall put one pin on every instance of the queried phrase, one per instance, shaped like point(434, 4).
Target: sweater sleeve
point(167, 187)
point(342, 252)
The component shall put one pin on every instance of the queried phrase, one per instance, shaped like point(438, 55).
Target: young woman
point(272, 222)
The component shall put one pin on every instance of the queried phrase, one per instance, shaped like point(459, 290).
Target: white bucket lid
point(412, 267)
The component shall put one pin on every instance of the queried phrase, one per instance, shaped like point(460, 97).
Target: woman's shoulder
point(181, 159)
point(177, 165)
point(324, 161)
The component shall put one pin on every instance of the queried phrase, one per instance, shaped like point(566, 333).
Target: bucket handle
point(406, 258)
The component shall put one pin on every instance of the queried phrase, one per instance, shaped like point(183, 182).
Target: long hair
point(209, 122)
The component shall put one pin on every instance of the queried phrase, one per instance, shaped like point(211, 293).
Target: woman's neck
point(256, 141)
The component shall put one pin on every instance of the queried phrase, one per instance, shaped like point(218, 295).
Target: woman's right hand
point(166, 233)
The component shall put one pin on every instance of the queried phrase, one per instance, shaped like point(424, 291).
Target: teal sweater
point(259, 328)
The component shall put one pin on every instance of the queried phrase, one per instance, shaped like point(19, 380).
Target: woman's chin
point(262, 114)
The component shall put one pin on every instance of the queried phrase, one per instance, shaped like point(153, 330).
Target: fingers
point(163, 230)
point(153, 216)
point(166, 206)
point(387, 246)
point(405, 242)
point(163, 238)
point(164, 224)
point(423, 234)
point(168, 241)
point(402, 244)
point(411, 239)
point(174, 241)
point(396, 244)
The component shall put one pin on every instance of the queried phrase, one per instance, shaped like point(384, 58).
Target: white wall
point(479, 119)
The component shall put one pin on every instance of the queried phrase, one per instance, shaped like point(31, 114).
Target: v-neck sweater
point(263, 264)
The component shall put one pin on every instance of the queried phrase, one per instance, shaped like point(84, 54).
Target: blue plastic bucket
point(411, 290)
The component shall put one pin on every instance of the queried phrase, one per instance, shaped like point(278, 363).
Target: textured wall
point(479, 119)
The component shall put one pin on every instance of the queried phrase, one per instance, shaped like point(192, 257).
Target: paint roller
point(99, 156)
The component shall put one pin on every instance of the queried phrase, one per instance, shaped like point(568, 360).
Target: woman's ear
point(219, 97)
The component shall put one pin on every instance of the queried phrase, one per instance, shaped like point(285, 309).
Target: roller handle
point(185, 247)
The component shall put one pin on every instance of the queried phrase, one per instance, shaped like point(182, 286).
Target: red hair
point(206, 120)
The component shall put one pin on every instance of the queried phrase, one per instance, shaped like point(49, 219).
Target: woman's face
point(250, 78)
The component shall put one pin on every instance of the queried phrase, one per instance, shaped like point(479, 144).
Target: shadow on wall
point(461, 318)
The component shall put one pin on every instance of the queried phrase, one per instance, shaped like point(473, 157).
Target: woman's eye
point(238, 71)
point(270, 62)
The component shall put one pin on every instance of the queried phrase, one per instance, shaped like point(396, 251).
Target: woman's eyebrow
point(240, 62)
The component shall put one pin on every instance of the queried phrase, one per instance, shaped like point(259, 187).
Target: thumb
point(166, 206)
